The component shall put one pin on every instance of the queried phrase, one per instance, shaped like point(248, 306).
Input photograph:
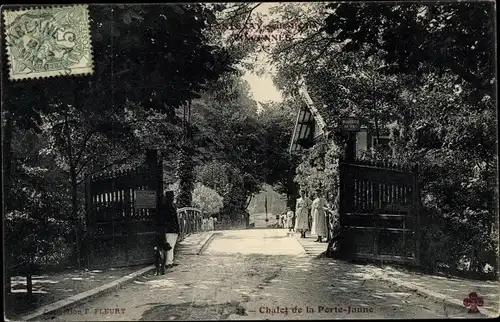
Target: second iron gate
point(379, 212)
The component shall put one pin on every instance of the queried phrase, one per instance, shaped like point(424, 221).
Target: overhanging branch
point(323, 50)
point(237, 14)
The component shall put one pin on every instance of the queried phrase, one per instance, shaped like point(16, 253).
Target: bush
point(206, 199)
point(456, 246)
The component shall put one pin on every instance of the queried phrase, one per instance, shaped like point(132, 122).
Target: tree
point(37, 224)
point(81, 144)
point(254, 147)
point(233, 27)
point(228, 182)
point(394, 63)
point(277, 120)
point(149, 57)
point(207, 199)
point(420, 38)
point(132, 49)
point(186, 176)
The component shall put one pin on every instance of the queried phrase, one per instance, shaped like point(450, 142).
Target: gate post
point(376, 212)
point(351, 147)
point(416, 198)
point(152, 171)
point(154, 166)
point(343, 243)
point(151, 165)
point(159, 181)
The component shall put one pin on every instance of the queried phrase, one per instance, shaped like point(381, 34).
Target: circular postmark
point(45, 40)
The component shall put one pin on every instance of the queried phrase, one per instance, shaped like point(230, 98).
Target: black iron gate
point(379, 212)
point(119, 233)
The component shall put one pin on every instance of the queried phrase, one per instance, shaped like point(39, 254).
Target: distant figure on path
point(302, 214)
point(319, 224)
point(289, 219)
point(211, 223)
point(172, 225)
point(204, 224)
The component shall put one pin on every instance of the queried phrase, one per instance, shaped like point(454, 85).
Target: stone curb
point(304, 248)
point(207, 241)
point(83, 297)
point(198, 248)
point(436, 296)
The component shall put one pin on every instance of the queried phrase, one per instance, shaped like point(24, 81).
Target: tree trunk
point(29, 285)
point(249, 200)
point(186, 174)
point(74, 211)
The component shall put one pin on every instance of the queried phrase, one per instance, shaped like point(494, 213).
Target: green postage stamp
point(47, 42)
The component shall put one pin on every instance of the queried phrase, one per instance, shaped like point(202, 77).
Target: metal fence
point(190, 221)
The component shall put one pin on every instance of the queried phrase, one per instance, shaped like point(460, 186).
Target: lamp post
point(265, 207)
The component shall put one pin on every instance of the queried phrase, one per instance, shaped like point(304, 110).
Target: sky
point(262, 87)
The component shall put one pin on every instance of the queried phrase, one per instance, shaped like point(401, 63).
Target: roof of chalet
point(304, 124)
point(308, 120)
point(304, 94)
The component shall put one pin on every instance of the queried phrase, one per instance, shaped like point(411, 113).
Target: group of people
point(208, 223)
point(309, 215)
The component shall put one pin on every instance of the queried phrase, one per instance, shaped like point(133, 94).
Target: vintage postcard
point(250, 161)
point(48, 41)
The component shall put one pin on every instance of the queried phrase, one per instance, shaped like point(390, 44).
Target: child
point(204, 225)
point(210, 223)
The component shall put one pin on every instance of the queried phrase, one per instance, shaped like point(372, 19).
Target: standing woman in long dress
point(302, 214)
point(319, 224)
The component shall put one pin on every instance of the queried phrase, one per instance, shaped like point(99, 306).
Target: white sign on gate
point(351, 124)
point(145, 199)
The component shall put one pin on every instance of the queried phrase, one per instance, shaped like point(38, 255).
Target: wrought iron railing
point(190, 221)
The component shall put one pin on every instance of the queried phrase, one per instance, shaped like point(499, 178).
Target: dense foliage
point(164, 78)
point(167, 78)
point(319, 170)
point(240, 148)
point(427, 69)
point(148, 62)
